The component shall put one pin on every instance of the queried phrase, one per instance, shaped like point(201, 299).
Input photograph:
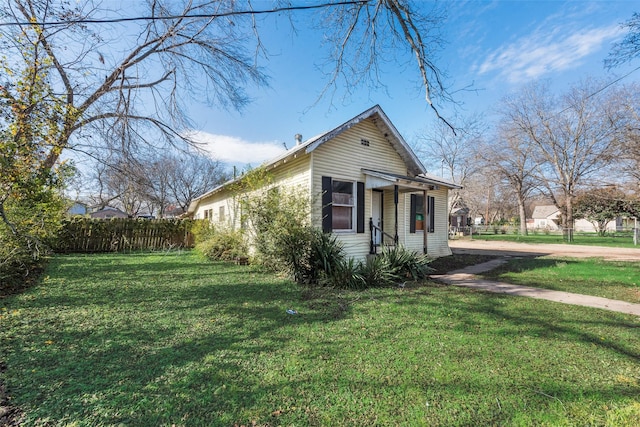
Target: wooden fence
point(123, 234)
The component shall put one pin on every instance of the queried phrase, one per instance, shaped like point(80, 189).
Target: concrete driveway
point(466, 277)
point(484, 247)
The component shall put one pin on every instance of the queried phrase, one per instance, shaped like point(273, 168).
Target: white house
point(365, 185)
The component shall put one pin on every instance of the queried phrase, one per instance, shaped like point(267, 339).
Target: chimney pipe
point(298, 138)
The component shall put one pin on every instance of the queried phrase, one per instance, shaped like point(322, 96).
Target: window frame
point(428, 221)
point(351, 205)
point(357, 208)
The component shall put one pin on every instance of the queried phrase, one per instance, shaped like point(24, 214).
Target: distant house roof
point(460, 211)
point(109, 212)
point(544, 211)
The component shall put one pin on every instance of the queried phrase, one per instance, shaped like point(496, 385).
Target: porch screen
point(418, 219)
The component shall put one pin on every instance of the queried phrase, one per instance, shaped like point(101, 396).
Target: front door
point(376, 215)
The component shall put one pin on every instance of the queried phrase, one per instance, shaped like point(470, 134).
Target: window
point(206, 214)
point(221, 214)
point(418, 219)
point(342, 205)
point(419, 216)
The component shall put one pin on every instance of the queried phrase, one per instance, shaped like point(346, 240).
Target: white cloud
point(545, 51)
point(234, 150)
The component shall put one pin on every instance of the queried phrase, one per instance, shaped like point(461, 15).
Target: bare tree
point(362, 35)
point(513, 161)
point(194, 175)
point(575, 136)
point(175, 179)
point(118, 183)
point(114, 86)
point(453, 154)
point(159, 182)
point(629, 48)
point(630, 139)
point(182, 49)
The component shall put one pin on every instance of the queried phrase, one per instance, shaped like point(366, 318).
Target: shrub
point(326, 254)
point(346, 274)
point(27, 230)
point(18, 262)
point(405, 264)
point(377, 272)
point(223, 245)
point(309, 255)
point(202, 230)
point(279, 229)
point(390, 267)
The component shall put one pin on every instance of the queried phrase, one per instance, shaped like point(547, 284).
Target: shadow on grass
point(173, 342)
point(519, 265)
point(546, 319)
point(103, 331)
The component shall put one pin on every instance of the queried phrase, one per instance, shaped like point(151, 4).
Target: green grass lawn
point(152, 340)
point(591, 239)
point(592, 276)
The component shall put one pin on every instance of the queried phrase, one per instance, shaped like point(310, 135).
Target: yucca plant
point(377, 272)
point(346, 274)
point(326, 252)
point(405, 264)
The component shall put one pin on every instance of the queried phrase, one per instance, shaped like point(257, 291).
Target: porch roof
point(387, 180)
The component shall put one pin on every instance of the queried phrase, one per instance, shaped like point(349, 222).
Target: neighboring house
point(365, 185)
point(109, 212)
point(173, 212)
point(459, 217)
point(547, 217)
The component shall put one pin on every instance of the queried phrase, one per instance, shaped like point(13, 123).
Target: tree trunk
point(567, 228)
point(523, 215)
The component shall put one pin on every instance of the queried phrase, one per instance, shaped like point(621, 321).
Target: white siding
point(437, 242)
point(292, 173)
point(343, 158)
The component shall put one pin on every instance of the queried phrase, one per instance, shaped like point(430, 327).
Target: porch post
point(395, 202)
point(372, 247)
point(425, 227)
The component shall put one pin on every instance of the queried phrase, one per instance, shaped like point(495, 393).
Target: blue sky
point(492, 48)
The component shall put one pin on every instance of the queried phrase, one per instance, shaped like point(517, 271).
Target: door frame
point(379, 206)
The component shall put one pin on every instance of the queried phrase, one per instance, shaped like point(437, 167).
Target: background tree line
point(158, 184)
point(567, 149)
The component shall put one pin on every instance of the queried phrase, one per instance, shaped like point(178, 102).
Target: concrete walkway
point(466, 277)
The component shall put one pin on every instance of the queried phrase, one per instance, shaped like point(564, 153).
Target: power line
point(196, 16)
point(608, 85)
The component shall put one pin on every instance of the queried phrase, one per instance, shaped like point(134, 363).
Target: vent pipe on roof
point(298, 138)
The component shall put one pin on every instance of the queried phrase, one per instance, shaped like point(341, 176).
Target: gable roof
point(382, 122)
point(384, 125)
point(544, 211)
